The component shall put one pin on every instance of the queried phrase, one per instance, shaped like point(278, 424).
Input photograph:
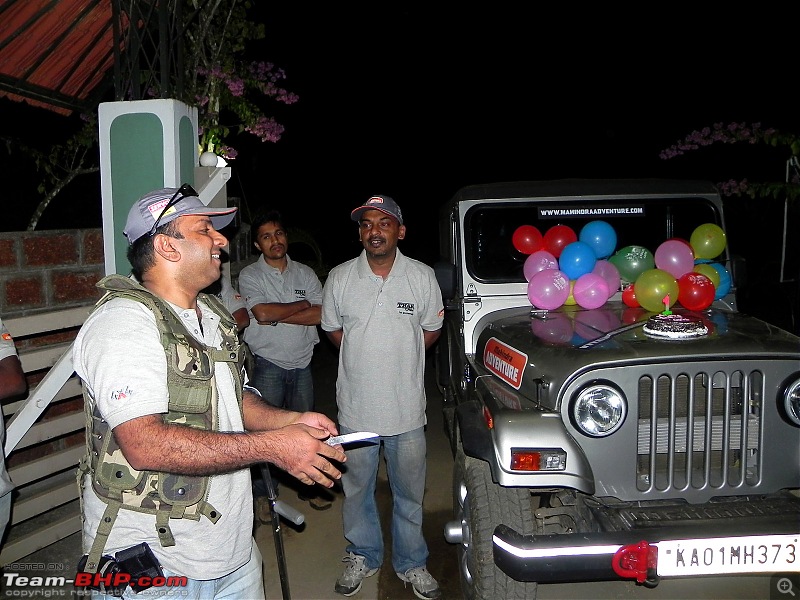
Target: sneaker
point(354, 573)
point(424, 584)
point(318, 501)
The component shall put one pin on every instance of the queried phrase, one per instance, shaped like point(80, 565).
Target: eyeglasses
point(183, 191)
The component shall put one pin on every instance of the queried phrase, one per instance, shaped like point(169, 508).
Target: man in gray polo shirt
point(285, 298)
point(383, 310)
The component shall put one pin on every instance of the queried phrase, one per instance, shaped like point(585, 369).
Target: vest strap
point(163, 530)
point(100, 538)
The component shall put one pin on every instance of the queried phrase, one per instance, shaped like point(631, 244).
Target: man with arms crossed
point(285, 299)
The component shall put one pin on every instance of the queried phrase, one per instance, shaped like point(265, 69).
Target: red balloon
point(629, 297)
point(527, 239)
point(695, 291)
point(558, 237)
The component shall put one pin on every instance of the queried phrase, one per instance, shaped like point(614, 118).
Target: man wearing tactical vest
point(172, 426)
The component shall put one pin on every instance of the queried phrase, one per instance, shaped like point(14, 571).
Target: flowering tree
point(775, 255)
point(232, 95)
point(742, 133)
point(230, 92)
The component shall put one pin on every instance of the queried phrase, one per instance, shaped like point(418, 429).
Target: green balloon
point(632, 261)
point(656, 290)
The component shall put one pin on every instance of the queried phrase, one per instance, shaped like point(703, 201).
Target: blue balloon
point(600, 236)
point(724, 281)
point(576, 259)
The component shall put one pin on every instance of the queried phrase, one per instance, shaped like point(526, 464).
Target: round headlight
point(791, 401)
point(599, 410)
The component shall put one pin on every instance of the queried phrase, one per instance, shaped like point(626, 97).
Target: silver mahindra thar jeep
point(587, 449)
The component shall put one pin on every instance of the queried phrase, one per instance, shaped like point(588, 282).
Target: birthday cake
point(674, 326)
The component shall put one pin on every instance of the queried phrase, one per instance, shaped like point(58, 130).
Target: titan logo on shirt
point(405, 308)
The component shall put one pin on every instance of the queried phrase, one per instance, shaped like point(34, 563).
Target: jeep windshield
point(492, 258)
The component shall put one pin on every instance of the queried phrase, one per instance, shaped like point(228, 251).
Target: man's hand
point(300, 451)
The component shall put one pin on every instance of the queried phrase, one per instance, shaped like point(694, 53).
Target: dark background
point(416, 102)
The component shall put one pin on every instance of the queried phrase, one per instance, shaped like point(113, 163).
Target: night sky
point(418, 102)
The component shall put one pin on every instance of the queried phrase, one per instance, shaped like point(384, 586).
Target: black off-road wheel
point(480, 505)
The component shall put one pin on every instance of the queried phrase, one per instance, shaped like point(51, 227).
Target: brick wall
point(49, 270)
point(42, 271)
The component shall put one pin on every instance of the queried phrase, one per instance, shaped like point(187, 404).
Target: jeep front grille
point(706, 432)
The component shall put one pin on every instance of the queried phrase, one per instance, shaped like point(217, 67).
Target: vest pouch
point(189, 378)
point(112, 470)
point(182, 490)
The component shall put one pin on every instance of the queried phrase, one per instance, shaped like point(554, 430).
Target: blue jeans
point(405, 456)
point(245, 582)
point(284, 388)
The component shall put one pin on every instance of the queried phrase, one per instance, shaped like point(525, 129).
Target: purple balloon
point(590, 291)
point(548, 289)
point(538, 261)
point(591, 324)
point(610, 273)
point(675, 257)
point(556, 328)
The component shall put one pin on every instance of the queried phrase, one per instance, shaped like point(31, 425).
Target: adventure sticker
point(505, 362)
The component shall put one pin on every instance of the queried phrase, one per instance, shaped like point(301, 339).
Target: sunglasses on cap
point(184, 191)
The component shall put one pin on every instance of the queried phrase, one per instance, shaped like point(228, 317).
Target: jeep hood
point(523, 346)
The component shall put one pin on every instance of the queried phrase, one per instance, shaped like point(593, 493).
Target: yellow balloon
point(708, 271)
point(707, 241)
point(570, 301)
point(656, 290)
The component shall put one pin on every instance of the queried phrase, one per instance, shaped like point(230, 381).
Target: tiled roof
point(56, 53)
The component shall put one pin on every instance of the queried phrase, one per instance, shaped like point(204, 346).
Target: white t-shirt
point(118, 354)
point(7, 348)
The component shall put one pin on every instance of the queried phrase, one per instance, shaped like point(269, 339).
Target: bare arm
point(242, 319)
point(336, 337)
point(151, 444)
point(270, 312)
point(430, 337)
point(262, 416)
point(12, 378)
point(309, 316)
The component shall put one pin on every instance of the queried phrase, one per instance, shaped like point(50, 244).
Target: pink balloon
point(538, 261)
point(548, 289)
point(590, 291)
point(610, 273)
point(675, 257)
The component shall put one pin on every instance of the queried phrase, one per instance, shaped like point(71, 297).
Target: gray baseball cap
point(143, 214)
point(382, 203)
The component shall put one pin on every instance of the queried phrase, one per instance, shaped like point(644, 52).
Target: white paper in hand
point(349, 438)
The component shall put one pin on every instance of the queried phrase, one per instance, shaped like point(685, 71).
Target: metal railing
point(44, 434)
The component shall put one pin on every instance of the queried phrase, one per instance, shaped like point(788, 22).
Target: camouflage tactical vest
point(192, 402)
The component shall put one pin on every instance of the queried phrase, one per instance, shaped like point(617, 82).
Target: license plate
point(714, 556)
